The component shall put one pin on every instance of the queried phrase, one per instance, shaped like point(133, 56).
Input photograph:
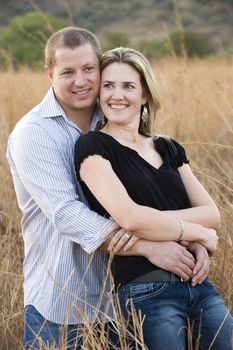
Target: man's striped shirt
point(62, 279)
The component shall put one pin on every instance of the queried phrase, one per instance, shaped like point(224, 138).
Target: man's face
point(76, 80)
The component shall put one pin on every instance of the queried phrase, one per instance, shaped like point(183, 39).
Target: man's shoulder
point(41, 115)
point(31, 118)
point(36, 120)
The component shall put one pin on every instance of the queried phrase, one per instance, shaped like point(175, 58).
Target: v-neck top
point(160, 188)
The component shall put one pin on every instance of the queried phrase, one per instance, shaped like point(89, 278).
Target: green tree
point(22, 42)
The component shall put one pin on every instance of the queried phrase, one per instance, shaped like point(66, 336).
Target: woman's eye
point(129, 86)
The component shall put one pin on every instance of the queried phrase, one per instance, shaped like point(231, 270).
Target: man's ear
point(49, 72)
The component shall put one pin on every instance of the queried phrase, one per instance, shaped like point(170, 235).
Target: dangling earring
point(145, 115)
point(103, 118)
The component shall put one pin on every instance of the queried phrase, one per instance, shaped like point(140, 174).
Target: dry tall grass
point(196, 98)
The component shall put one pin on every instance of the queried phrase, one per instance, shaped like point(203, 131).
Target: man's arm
point(42, 175)
point(171, 256)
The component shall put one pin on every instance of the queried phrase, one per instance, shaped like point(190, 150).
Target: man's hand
point(109, 232)
point(170, 256)
point(202, 265)
point(122, 240)
point(117, 239)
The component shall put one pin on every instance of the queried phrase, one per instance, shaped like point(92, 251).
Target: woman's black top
point(160, 188)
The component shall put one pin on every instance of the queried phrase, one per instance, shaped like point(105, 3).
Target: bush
point(194, 43)
point(177, 43)
point(23, 41)
point(153, 48)
point(115, 39)
point(187, 19)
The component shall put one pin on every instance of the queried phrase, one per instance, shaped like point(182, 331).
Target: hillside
point(139, 19)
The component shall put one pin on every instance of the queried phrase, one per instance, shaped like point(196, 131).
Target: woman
point(146, 185)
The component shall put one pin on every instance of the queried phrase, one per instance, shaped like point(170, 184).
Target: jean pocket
point(209, 288)
point(142, 291)
point(208, 281)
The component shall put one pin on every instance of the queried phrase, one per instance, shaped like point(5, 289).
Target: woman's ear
point(144, 100)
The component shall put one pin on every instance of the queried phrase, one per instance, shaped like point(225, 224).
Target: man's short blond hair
point(70, 37)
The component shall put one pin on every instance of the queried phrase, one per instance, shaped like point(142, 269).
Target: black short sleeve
point(90, 144)
point(174, 149)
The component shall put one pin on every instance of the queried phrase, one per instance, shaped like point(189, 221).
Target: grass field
point(197, 110)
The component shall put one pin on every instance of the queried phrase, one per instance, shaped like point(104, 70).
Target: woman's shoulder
point(172, 148)
point(92, 143)
point(167, 143)
point(91, 135)
point(92, 138)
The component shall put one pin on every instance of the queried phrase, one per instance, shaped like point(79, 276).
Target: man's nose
point(80, 79)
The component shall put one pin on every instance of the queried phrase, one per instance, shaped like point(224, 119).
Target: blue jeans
point(178, 316)
point(40, 333)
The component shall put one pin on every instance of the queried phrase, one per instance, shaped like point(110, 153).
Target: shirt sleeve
point(175, 151)
point(41, 173)
point(90, 144)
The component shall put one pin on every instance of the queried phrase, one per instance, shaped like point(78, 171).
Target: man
point(63, 283)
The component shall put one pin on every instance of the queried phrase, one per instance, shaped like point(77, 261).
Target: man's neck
point(83, 120)
point(81, 117)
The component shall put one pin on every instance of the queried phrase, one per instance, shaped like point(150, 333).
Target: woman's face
point(121, 95)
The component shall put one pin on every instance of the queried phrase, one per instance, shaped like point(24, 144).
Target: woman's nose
point(117, 94)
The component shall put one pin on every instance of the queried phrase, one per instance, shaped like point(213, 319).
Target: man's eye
point(66, 73)
point(89, 69)
point(107, 85)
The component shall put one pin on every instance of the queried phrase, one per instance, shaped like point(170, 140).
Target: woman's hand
point(202, 261)
point(210, 239)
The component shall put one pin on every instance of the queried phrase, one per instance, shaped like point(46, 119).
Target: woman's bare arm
point(203, 210)
point(144, 222)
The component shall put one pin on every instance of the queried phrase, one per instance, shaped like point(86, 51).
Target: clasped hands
point(188, 260)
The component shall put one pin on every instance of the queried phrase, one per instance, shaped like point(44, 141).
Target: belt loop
point(173, 278)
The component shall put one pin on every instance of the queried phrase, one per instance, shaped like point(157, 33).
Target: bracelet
point(181, 230)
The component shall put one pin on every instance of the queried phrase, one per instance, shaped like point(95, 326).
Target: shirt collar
point(50, 108)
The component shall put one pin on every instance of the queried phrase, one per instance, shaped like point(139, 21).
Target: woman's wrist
point(182, 229)
point(191, 231)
